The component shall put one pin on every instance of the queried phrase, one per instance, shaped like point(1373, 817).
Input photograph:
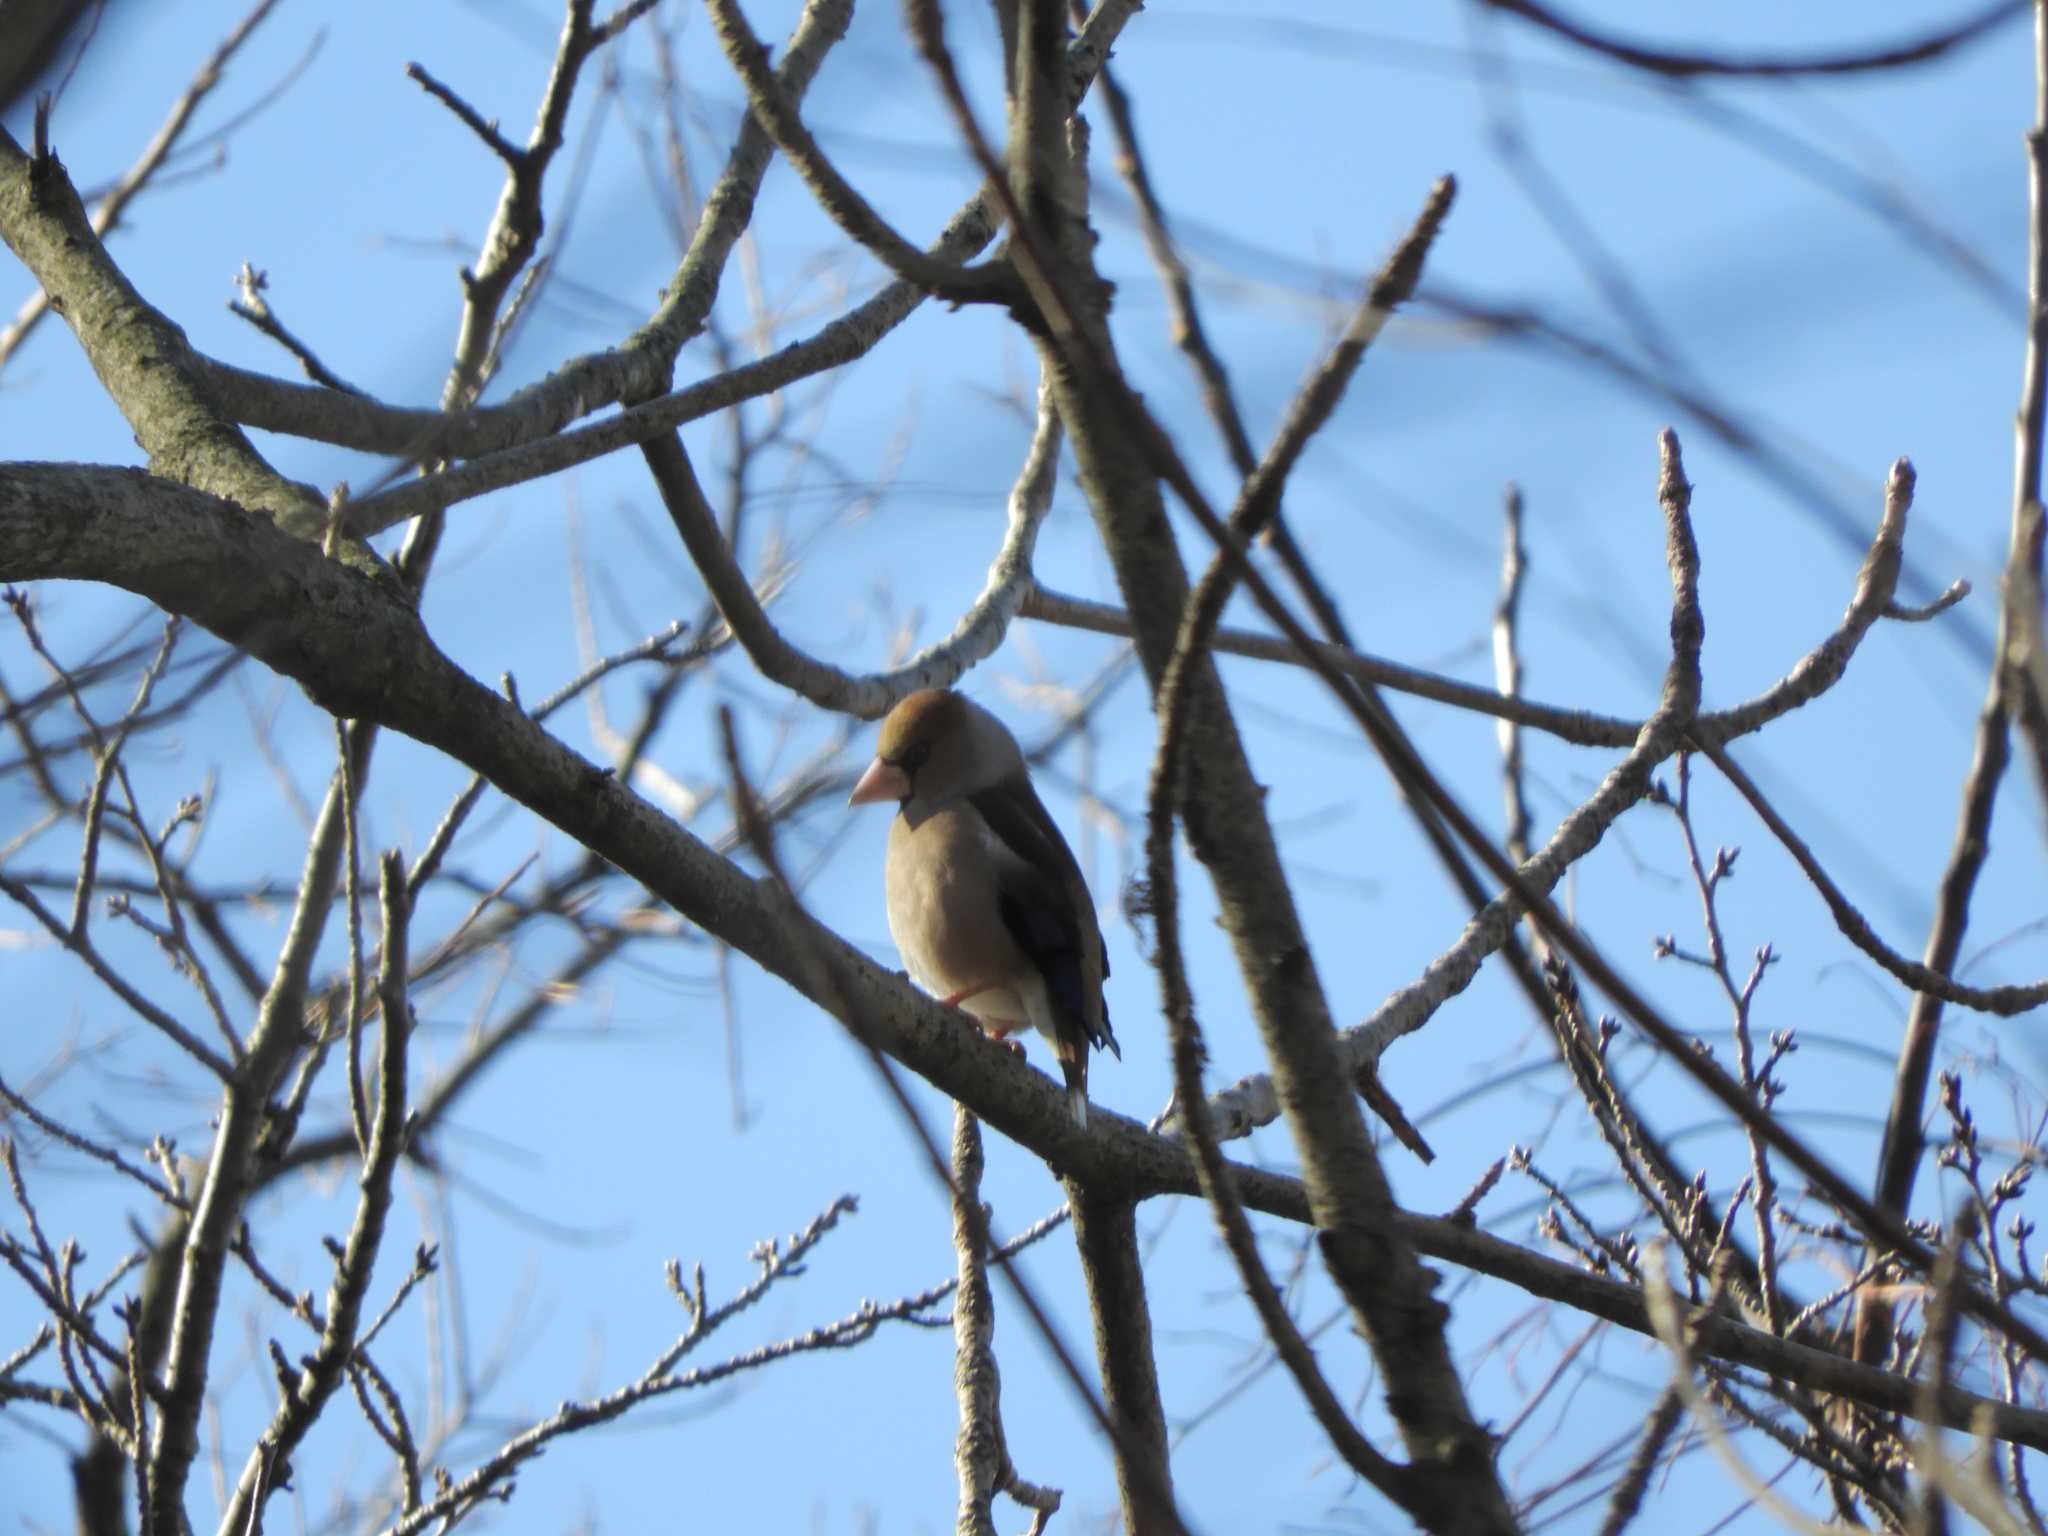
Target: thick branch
point(1106, 1235)
point(107, 216)
point(144, 362)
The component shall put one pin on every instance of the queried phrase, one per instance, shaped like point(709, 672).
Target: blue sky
point(1292, 145)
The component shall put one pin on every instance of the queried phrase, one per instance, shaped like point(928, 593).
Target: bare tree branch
point(106, 217)
point(1695, 65)
point(977, 634)
point(1898, 1159)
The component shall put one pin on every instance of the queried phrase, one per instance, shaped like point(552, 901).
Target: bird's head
point(937, 747)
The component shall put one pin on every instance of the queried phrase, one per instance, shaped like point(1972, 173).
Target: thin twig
point(1687, 66)
point(327, 1367)
point(2005, 1001)
point(107, 216)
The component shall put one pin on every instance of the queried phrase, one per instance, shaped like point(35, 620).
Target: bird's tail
point(1075, 1069)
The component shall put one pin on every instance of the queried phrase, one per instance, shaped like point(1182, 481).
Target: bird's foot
point(1001, 1031)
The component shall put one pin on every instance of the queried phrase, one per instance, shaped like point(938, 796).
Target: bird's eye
point(912, 757)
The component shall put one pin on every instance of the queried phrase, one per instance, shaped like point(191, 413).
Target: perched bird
point(986, 903)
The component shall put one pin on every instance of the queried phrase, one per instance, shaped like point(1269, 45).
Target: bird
point(986, 903)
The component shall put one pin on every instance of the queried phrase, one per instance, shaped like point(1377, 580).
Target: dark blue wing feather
point(1038, 910)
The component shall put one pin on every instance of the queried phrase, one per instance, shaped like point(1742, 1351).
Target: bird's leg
point(1000, 1030)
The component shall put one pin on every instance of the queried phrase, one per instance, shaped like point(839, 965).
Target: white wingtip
point(1077, 1101)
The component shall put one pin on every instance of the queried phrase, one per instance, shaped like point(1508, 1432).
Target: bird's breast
point(942, 893)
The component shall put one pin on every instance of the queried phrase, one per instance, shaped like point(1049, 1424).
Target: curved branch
point(1689, 66)
point(856, 217)
point(2005, 1001)
point(979, 632)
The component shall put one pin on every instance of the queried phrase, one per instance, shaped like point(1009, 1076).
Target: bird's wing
point(1045, 903)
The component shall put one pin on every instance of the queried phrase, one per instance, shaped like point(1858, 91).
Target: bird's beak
point(882, 781)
